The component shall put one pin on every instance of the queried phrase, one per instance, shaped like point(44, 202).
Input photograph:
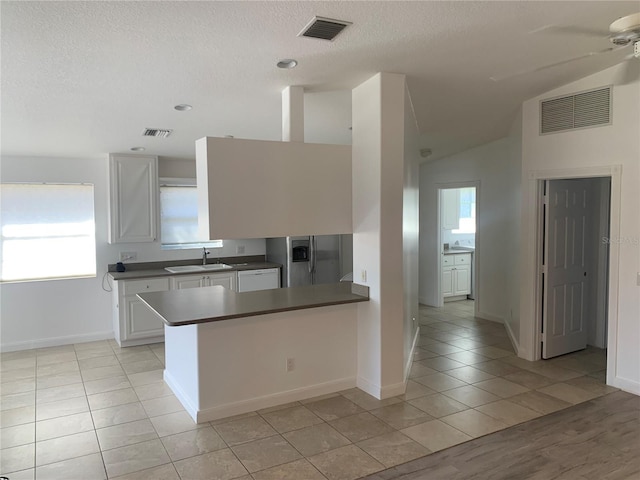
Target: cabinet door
point(462, 281)
point(447, 281)
point(142, 322)
point(133, 188)
point(227, 280)
point(450, 201)
point(188, 281)
point(137, 321)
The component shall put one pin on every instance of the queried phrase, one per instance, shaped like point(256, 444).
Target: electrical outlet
point(240, 249)
point(291, 364)
point(363, 276)
point(127, 256)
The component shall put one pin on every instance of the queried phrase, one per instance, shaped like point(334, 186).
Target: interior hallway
point(98, 411)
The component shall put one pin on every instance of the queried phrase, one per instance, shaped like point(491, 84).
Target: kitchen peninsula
point(229, 353)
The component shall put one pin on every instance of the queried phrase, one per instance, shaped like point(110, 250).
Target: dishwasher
point(263, 279)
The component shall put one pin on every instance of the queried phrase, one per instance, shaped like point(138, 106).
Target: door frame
point(536, 179)
point(475, 263)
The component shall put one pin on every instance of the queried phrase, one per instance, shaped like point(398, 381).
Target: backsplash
point(463, 239)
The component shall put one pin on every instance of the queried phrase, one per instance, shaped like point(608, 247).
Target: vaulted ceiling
point(85, 78)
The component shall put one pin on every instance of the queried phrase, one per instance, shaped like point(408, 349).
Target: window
point(47, 231)
point(179, 215)
point(467, 211)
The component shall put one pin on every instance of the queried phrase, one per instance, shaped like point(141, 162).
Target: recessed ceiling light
point(287, 63)
point(183, 107)
point(137, 149)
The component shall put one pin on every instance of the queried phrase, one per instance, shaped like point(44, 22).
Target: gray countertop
point(161, 272)
point(210, 304)
point(457, 250)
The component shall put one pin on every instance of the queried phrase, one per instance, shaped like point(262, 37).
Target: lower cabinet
point(227, 280)
point(134, 323)
point(456, 275)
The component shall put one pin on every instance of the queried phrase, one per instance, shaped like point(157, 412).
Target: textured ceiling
point(84, 78)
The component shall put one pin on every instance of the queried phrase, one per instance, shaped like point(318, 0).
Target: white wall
point(37, 314)
point(597, 149)
point(490, 165)
point(321, 341)
point(378, 187)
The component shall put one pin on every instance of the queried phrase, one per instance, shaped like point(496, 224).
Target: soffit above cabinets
point(258, 189)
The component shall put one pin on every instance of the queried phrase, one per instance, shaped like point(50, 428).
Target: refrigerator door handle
point(312, 255)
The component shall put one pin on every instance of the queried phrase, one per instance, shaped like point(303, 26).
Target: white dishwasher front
point(263, 279)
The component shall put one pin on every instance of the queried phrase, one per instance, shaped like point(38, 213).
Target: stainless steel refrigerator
point(311, 260)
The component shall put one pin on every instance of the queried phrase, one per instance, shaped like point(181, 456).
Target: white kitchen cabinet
point(133, 198)
point(447, 281)
point(133, 322)
point(450, 201)
point(456, 275)
point(226, 279)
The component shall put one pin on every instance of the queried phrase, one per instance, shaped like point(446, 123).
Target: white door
point(565, 315)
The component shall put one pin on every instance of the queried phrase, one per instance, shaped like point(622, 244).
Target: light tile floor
point(93, 411)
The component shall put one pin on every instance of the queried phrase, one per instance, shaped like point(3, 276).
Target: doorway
point(574, 225)
point(457, 243)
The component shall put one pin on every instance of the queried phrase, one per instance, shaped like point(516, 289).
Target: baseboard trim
point(56, 341)
point(512, 338)
point(191, 409)
point(266, 401)
point(626, 385)
point(379, 392)
point(368, 387)
point(396, 389)
point(425, 302)
point(407, 367)
point(491, 318)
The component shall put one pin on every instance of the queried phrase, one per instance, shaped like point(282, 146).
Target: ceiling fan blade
point(499, 78)
point(571, 30)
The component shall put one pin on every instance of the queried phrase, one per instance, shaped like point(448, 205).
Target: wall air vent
point(586, 109)
point(156, 132)
point(323, 28)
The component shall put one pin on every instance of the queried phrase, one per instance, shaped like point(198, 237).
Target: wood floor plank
point(596, 439)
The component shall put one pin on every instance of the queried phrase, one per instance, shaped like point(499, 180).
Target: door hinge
point(543, 269)
point(543, 337)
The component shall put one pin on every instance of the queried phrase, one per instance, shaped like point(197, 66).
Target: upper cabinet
point(133, 193)
point(258, 189)
point(450, 201)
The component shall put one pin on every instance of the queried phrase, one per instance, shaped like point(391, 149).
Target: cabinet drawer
point(131, 287)
point(462, 259)
point(447, 260)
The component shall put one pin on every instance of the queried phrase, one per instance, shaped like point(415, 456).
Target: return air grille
point(586, 109)
point(156, 132)
point(323, 28)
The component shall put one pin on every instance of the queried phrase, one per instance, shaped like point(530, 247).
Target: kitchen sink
point(197, 268)
point(215, 266)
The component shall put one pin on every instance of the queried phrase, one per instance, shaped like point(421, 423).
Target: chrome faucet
point(204, 255)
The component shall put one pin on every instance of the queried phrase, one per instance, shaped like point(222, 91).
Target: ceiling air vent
point(323, 28)
point(156, 132)
point(586, 109)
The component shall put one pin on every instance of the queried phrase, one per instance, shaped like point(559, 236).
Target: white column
point(378, 176)
point(293, 114)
